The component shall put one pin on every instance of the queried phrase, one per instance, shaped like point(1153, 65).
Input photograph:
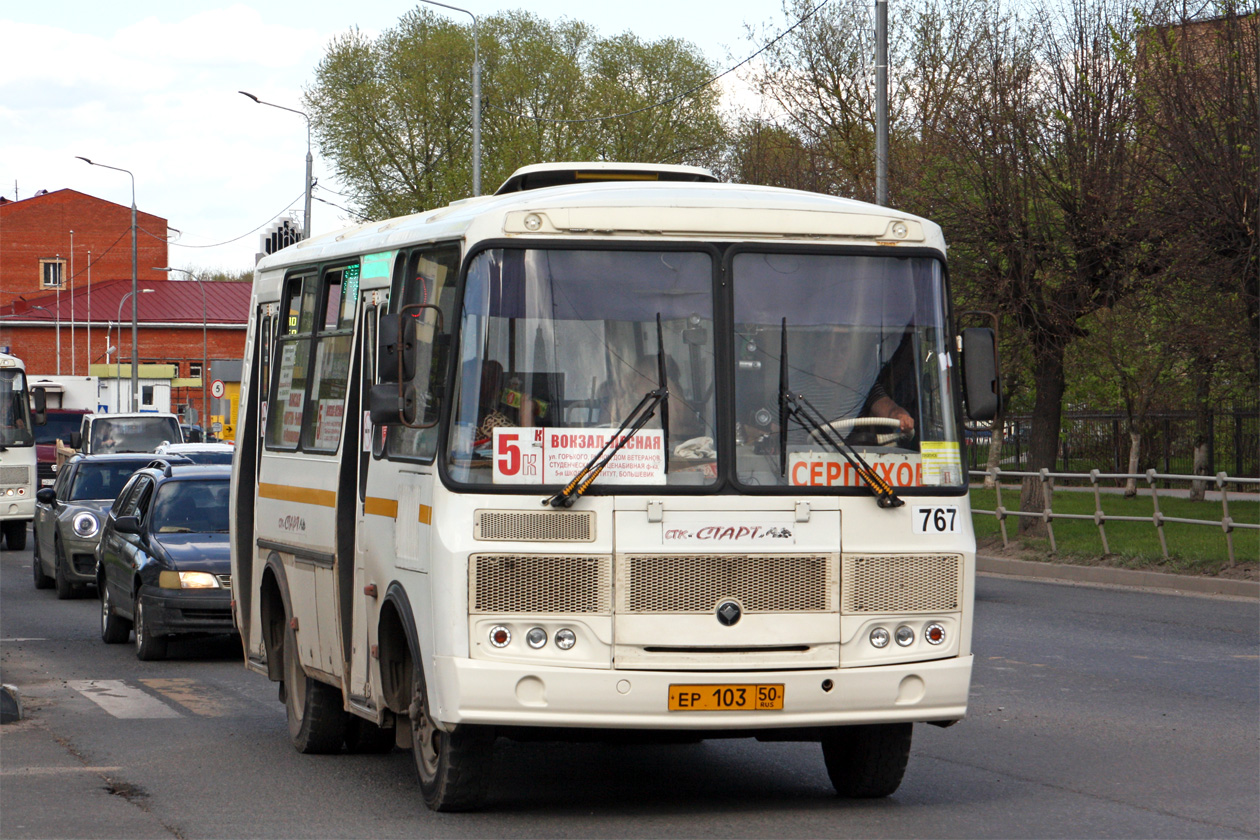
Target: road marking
point(21, 639)
point(123, 701)
point(56, 771)
point(193, 696)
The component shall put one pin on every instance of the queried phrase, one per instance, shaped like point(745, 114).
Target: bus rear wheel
point(317, 721)
point(454, 767)
point(867, 762)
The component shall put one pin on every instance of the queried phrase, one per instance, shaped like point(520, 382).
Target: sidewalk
point(1106, 576)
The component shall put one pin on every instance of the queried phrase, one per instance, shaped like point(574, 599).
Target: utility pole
point(881, 102)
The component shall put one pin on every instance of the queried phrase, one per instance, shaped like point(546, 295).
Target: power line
point(270, 219)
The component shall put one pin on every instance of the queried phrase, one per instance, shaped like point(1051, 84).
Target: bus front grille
point(533, 526)
point(772, 583)
point(901, 583)
point(524, 583)
point(15, 475)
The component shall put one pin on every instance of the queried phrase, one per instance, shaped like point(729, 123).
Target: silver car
point(69, 515)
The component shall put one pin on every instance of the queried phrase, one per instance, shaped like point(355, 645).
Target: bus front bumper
point(505, 694)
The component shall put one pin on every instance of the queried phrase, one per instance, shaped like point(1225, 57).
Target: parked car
point(60, 424)
point(142, 432)
point(198, 453)
point(163, 562)
point(68, 518)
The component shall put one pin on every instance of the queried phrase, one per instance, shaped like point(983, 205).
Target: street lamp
point(135, 373)
point(135, 345)
point(306, 219)
point(476, 97)
point(205, 359)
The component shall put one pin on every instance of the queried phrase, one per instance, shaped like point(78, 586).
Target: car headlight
point(187, 580)
point(85, 524)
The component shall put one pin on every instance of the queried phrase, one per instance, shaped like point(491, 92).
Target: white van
point(141, 432)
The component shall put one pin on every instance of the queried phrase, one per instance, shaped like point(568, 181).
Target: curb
point(1106, 576)
point(10, 704)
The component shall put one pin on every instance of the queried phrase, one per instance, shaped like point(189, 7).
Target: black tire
point(114, 628)
point(317, 721)
point(363, 736)
point(42, 581)
point(867, 762)
point(149, 646)
point(453, 767)
point(15, 535)
point(65, 589)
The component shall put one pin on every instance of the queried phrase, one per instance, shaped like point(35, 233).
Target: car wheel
point(15, 535)
point(149, 645)
point(867, 762)
point(454, 767)
point(317, 721)
point(65, 589)
point(42, 581)
point(114, 628)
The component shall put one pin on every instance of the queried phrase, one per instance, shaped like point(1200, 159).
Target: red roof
point(171, 301)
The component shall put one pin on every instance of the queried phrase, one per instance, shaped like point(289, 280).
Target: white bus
point(618, 448)
point(17, 451)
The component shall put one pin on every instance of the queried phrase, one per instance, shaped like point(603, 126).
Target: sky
point(152, 87)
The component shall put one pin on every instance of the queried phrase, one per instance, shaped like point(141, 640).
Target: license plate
point(725, 698)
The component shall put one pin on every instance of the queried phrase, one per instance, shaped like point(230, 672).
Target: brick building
point(37, 235)
point(59, 308)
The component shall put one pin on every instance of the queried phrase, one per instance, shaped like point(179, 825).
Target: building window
point(146, 395)
point(194, 370)
point(52, 274)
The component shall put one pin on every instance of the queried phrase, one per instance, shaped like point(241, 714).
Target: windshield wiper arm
point(799, 408)
point(638, 417)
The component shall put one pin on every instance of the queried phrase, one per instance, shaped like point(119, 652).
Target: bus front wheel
point(454, 767)
point(317, 721)
point(867, 762)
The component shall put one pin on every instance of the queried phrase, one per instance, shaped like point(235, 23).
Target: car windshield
point(102, 480)
point(197, 506)
point(558, 347)
point(57, 426)
point(133, 434)
point(15, 414)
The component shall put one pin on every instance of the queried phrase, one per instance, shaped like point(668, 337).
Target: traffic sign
point(216, 389)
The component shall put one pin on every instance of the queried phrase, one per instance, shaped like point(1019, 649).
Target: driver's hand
point(903, 416)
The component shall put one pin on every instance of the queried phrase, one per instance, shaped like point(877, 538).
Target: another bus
point(17, 451)
point(617, 449)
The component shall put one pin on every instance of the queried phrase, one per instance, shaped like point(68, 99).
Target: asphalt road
point(1094, 713)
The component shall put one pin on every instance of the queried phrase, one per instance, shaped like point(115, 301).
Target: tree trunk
point(1202, 426)
point(1043, 445)
point(1135, 449)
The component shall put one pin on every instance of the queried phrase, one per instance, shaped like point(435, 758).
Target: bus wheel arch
point(399, 647)
point(273, 606)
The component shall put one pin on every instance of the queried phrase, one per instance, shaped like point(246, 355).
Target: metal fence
point(1096, 480)
point(1100, 441)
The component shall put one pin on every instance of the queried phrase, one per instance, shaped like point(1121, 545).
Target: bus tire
point(867, 762)
point(453, 767)
point(317, 721)
point(15, 535)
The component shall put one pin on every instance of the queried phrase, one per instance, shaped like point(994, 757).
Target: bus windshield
point(15, 412)
point(558, 346)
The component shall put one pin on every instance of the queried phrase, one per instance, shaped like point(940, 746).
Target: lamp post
point(135, 373)
point(476, 97)
point(205, 359)
point(135, 346)
point(881, 102)
point(306, 218)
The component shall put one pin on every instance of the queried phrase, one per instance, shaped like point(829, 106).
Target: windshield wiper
point(638, 417)
point(797, 407)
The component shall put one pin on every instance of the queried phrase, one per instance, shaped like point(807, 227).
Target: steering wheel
point(847, 424)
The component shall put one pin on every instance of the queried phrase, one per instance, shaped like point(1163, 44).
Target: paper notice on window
point(831, 469)
point(553, 456)
point(942, 462)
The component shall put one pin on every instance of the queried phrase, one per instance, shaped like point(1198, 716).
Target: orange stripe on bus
point(381, 507)
point(304, 495)
point(426, 514)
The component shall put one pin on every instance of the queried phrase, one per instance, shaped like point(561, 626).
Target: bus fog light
point(565, 639)
point(934, 633)
point(500, 636)
point(536, 638)
point(905, 636)
point(880, 637)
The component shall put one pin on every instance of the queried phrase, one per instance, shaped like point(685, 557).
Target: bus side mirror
point(981, 389)
point(393, 404)
point(40, 415)
point(396, 348)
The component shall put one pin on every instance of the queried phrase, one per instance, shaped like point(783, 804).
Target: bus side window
point(429, 279)
point(286, 396)
point(330, 373)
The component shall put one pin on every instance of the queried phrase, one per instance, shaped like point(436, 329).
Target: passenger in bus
point(629, 383)
point(502, 402)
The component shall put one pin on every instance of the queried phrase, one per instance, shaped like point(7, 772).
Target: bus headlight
point(905, 636)
point(879, 637)
point(500, 636)
point(85, 525)
point(565, 639)
point(536, 638)
point(934, 633)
